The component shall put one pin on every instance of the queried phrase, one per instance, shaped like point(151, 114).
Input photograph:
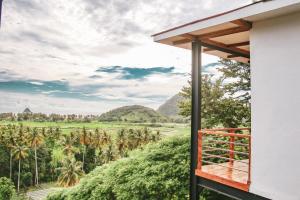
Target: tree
point(121, 142)
point(160, 171)
point(240, 72)
point(7, 188)
point(70, 172)
point(8, 139)
point(223, 101)
point(85, 139)
point(109, 153)
point(97, 144)
point(35, 139)
point(20, 153)
point(212, 94)
point(68, 142)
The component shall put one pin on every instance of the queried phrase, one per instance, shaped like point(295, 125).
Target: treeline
point(29, 156)
point(41, 117)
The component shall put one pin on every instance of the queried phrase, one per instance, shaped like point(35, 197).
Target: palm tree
point(146, 137)
point(35, 139)
point(109, 154)
point(96, 139)
point(85, 140)
point(96, 142)
point(57, 133)
point(121, 143)
point(68, 142)
point(131, 139)
point(8, 140)
point(20, 152)
point(11, 143)
point(158, 135)
point(70, 173)
point(139, 138)
point(106, 139)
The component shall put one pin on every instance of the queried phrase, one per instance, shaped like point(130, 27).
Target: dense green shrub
point(160, 171)
point(7, 189)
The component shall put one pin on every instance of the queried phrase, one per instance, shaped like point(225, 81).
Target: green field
point(110, 127)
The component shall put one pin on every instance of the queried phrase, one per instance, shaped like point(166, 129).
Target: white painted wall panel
point(275, 65)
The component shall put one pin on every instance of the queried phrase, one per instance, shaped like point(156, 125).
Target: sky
point(90, 56)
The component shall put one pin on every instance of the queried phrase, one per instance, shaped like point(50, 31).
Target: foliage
point(39, 152)
point(224, 102)
point(240, 88)
point(7, 189)
point(70, 172)
point(40, 117)
point(160, 171)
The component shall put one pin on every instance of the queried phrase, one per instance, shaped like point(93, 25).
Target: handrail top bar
point(227, 129)
point(224, 134)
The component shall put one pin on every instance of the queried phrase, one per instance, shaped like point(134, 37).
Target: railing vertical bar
point(249, 164)
point(231, 146)
point(200, 135)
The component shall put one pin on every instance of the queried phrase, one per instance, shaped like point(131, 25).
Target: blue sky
point(89, 56)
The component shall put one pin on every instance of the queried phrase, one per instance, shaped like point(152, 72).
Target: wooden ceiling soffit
point(230, 45)
point(242, 23)
point(240, 44)
point(242, 27)
point(232, 56)
point(222, 47)
point(224, 32)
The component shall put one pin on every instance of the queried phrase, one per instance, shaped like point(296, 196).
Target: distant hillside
point(27, 110)
point(170, 107)
point(133, 113)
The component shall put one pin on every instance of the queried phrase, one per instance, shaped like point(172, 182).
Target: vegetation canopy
point(225, 99)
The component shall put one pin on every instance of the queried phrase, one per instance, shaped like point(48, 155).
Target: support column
point(196, 116)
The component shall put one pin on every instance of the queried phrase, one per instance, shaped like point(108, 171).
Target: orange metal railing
point(224, 155)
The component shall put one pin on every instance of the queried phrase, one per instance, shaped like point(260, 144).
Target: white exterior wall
point(275, 65)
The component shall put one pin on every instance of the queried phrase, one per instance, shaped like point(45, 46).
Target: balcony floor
point(225, 174)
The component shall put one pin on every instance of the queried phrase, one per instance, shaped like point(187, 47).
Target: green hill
point(171, 110)
point(170, 107)
point(133, 113)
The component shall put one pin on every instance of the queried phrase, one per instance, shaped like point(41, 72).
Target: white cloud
point(69, 40)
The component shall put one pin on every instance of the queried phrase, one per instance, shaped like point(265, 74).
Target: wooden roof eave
point(209, 41)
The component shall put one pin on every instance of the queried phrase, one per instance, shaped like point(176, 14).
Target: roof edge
point(207, 18)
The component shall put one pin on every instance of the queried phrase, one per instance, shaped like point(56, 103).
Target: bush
point(160, 171)
point(7, 189)
point(26, 179)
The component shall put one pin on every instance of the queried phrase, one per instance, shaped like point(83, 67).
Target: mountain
point(27, 110)
point(133, 113)
point(170, 107)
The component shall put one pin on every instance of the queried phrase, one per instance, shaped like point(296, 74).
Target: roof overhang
point(227, 35)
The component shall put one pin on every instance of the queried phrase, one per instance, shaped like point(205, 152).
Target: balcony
point(224, 156)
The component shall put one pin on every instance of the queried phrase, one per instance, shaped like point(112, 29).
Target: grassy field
point(111, 127)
